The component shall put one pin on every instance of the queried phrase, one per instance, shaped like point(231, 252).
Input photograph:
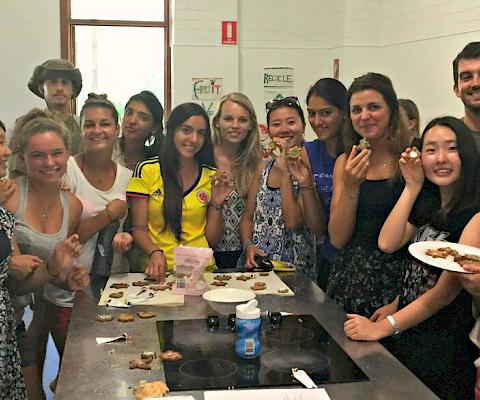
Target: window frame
point(67, 38)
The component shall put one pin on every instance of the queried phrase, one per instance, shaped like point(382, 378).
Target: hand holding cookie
point(411, 167)
point(222, 186)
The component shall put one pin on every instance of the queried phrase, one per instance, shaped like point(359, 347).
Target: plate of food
point(445, 255)
point(282, 266)
point(228, 295)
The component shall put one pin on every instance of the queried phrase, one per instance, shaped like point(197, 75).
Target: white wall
point(29, 35)
point(412, 41)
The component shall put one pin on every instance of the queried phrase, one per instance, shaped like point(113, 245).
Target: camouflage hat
point(55, 68)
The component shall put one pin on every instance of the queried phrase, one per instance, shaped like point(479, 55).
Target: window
point(121, 47)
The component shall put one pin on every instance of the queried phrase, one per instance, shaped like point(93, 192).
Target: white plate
point(418, 251)
point(228, 295)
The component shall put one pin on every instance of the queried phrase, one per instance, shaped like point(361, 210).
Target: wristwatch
point(396, 329)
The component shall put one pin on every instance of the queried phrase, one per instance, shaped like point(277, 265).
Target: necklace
point(45, 211)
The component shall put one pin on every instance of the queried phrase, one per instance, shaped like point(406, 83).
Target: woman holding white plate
point(440, 196)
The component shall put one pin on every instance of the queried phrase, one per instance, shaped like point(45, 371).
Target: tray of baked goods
point(266, 282)
point(124, 290)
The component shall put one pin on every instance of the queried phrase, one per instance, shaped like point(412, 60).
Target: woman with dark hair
point(283, 209)
point(410, 117)
point(173, 200)
point(441, 195)
point(142, 129)
point(366, 185)
point(327, 111)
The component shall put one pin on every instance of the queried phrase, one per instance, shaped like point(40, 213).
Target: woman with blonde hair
point(236, 141)
point(44, 216)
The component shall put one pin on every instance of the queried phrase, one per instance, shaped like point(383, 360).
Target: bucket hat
point(55, 67)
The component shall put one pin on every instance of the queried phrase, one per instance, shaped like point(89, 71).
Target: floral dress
point(272, 237)
point(12, 386)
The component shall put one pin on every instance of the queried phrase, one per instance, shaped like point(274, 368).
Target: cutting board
point(272, 281)
point(159, 298)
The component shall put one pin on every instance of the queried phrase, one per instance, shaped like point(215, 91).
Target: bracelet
point(308, 187)
point(154, 251)
point(217, 207)
point(247, 243)
point(109, 213)
point(396, 329)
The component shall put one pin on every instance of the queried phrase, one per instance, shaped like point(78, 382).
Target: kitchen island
point(92, 371)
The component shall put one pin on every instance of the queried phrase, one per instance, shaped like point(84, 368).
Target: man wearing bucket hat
point(57, 81)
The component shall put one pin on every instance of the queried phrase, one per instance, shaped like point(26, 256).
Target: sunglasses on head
point(290, 101)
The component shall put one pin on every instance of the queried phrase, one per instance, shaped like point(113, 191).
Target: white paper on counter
point(270, 394)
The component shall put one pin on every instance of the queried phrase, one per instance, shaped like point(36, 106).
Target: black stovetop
point(209, 359)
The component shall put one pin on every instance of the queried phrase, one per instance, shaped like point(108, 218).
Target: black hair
point(2, 125)
point(466, 189)
point(168, 156)
point(290, 102)
point(155, 140)
point(469, 52)
point(332, 91)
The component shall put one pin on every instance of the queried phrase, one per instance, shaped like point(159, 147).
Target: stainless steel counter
point(91, 371)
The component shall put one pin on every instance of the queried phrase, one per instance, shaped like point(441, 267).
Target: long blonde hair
point(249, 154)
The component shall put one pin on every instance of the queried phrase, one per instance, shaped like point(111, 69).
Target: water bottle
point(102, 260)
point(247, 323)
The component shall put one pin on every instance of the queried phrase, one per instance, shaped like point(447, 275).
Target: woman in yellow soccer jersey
point(177, 197)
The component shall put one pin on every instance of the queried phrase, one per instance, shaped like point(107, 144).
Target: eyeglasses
point(290, 101)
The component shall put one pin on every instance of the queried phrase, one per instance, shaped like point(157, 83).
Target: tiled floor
point(51, 362)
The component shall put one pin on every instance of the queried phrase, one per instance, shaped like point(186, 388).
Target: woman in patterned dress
point(283, 209)
point(236, 142)
point(12, 386)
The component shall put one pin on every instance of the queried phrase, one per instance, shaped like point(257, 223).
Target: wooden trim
point(167, 86)
point(67, 40)
point(111, 22)
point(64, 28)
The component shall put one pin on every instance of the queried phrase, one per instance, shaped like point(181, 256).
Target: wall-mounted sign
point(277, 82)
point(207, 92)
point(229, 32)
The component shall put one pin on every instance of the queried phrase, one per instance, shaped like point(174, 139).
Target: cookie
point(263, 274)
point(282, 291)
point(156, 288)
point(222, 277)
point(104, 317)
point(243, 278)
point(116, 295)
point(259, 286)
point(145, 389)
point(219, 283)
point(170, 355)
point(140, 283)
point(145, 314)
point(139, 364)
point(125, 317)
point(119, 285)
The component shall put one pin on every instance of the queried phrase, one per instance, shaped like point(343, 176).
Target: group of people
point(95, 195)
